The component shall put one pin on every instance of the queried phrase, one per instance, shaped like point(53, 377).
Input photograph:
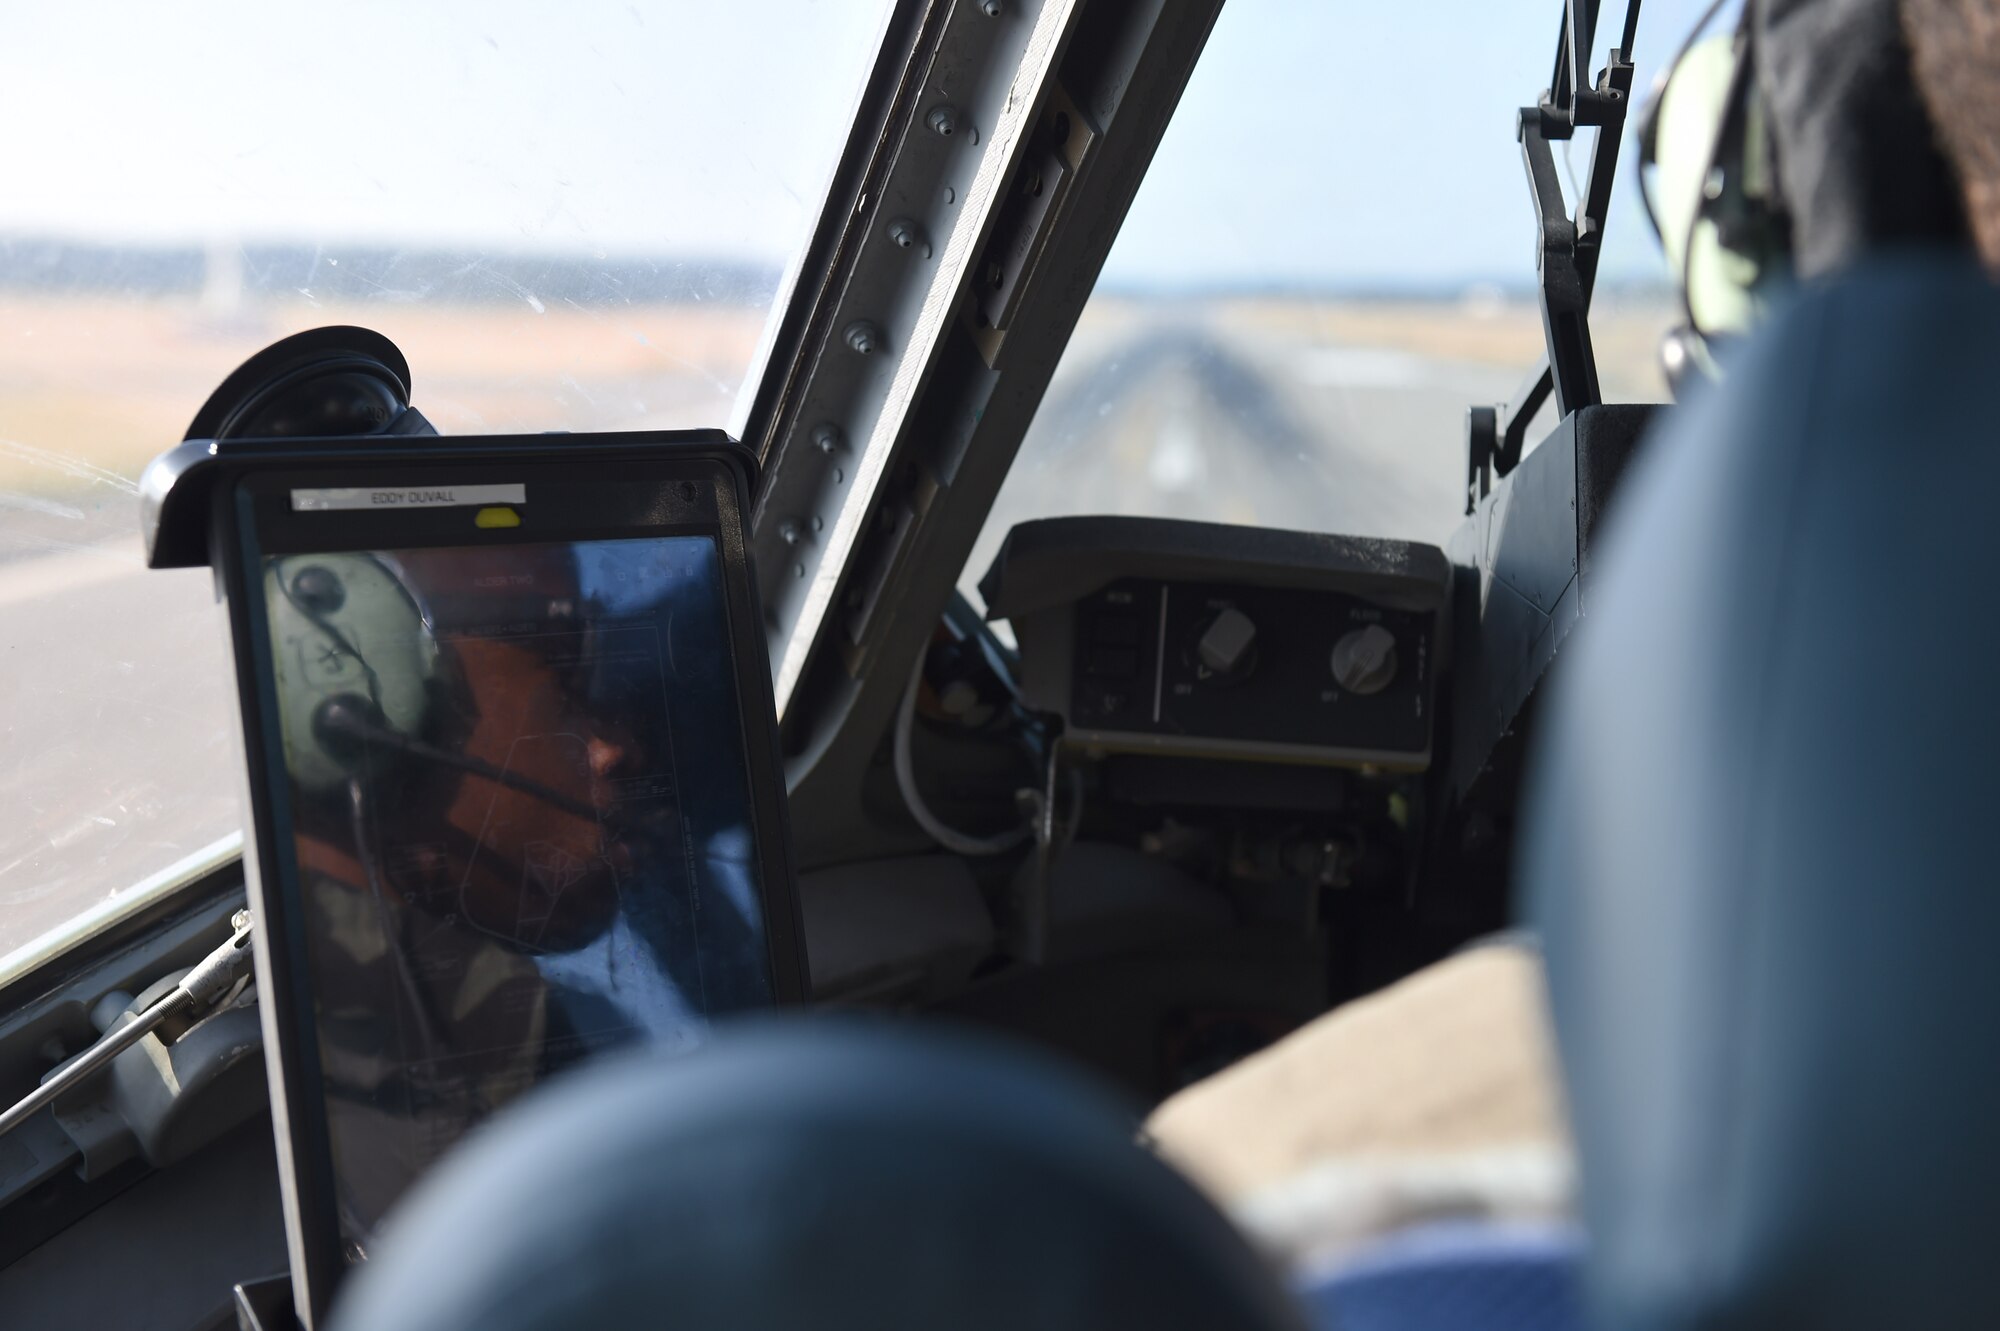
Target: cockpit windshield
point(573, 218)
point(1331, 256)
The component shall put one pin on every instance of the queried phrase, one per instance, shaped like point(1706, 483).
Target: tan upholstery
point(1436, 1095)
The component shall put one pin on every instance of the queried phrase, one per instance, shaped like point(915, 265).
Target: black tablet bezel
point(657, 485)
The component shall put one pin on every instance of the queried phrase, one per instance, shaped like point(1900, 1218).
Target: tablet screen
point(519, 825)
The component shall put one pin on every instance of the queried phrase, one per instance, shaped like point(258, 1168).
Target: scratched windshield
point(567, 219)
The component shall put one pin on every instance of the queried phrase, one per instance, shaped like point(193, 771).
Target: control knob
point(1227, 648)
point(1364, 660)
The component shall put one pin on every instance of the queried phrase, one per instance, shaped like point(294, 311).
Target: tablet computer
point(510, 742)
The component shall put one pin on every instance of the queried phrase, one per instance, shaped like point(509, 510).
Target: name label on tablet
point(435, 496)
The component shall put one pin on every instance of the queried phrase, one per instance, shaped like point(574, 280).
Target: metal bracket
point(1569, 244)
point(1056, 152)
point(1566, 271)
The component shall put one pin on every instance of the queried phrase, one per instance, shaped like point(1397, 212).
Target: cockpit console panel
point(1198, 639)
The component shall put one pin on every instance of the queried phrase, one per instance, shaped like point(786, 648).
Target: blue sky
point(1358, 142)
point(1332, 142)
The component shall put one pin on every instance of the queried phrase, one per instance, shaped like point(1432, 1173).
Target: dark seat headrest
point(816, 1175)
point(1761, 850)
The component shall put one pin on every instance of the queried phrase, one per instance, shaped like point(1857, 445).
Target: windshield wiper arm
point(212, 978)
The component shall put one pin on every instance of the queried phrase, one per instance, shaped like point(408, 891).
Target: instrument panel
point(1151, 635)
point(1252, 665)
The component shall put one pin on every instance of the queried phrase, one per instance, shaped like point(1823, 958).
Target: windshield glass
point(1330, 259)
point(569, 218)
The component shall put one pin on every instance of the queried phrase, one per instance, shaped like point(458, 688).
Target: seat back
point(817, 1175)
point(1761, 844)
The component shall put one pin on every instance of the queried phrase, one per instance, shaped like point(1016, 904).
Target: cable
point(213, 977)
point(906, 781)
point(421, 1009)
point(1075, 810)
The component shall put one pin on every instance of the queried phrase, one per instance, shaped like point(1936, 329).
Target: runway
point(118, 740)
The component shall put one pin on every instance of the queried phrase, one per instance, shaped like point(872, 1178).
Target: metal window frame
point(935, 185)
point(968, 260)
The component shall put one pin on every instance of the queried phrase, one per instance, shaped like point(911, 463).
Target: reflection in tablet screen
point(520, 825)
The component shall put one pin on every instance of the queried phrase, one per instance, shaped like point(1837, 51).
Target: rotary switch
point(1364, 660)
point(1228, 646)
